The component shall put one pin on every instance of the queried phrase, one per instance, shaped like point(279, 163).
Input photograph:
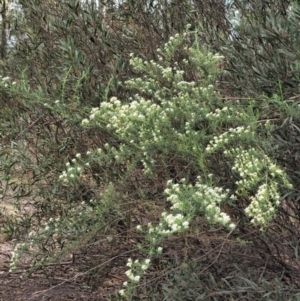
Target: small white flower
point(129, 264)
point(232, 226)
point(122, 292)
point(147, 261)
point(137, 278)
point(185, 224)
point(159, 250)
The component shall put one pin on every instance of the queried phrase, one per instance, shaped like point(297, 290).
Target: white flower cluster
point(217, 113)
point(154, 69)
point(94, 113)
point(72, 172)
point(135, 272)
point(144, 123)
point(168, 120)
point(6, 81)
point(170, 223)
point(231, 135)
point(252, 166)
point(148, 124)
point(172, 44)
point(209, 200)
point(147, 84)
point(16, 255)
point(173, 191)
point(189, 200)
point(53, 224)
point(263, 205)
point(201, 197)
point(249, 164)
point(227, 112)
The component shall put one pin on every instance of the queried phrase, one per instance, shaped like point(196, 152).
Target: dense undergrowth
point(204, 185)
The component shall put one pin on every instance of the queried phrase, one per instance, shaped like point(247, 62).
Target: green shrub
point(177, 128)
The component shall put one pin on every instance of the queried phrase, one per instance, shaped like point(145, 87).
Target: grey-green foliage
point(163, 131)
point(262, 50)
point(188, 283)
point(37, 135)
point(60, 36)
point(170, 119)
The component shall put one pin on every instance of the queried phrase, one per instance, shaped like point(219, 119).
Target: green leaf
point(287, 53)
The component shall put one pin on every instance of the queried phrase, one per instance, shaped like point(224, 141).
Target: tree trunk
point(4, 27)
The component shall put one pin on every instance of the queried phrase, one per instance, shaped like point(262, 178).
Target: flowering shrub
point(171, 116)
point(177, 116)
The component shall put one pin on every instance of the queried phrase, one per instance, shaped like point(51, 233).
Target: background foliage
point(65, 58)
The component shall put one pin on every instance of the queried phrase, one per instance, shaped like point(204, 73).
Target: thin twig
point(77, 275)
point(29, 127)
